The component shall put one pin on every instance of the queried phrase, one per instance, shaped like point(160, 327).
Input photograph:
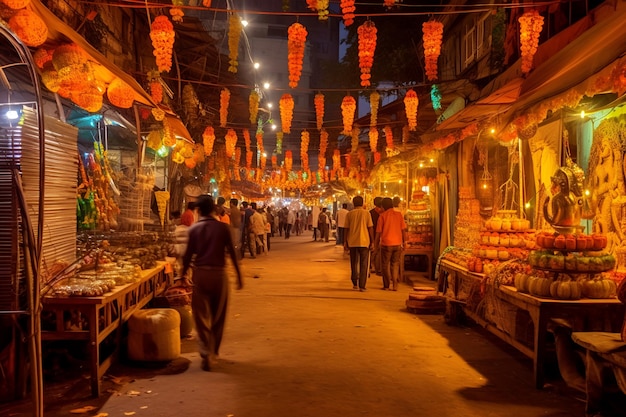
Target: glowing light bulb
point(527, 205)
point(244, 23)
point(492, 130)
point(266, 85)
point(11, 114)
point(582, 114)
point(485, 186)
point(256, 65)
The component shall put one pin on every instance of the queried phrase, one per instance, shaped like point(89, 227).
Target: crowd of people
point(208, 230)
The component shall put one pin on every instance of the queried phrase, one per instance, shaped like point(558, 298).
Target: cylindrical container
point(154, 335)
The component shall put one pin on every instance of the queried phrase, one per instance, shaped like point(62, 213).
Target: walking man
point(375, 212)
point(235, 225)
point(323, 224)
point(391, 237)
point(208, 241)
point(341, 220)
point(359, 238)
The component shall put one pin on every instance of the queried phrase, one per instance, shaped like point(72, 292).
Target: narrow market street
point(300, 342)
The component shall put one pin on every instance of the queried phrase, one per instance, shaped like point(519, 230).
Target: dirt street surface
point(300, 341)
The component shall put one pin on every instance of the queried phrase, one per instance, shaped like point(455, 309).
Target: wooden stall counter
point(94, 319)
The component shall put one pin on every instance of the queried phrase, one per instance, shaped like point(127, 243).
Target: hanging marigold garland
point(433, 34)
point(263, 164)
point(42, 56)
point(323, 142)
point(373, 136)
point(388, 136)
point(253, 105)
point(208, 140)
point(29, 27)
point(367, 46)
point(374, 100)
point(279, 143)
point(234, 33)
point(169, 139)
point(336, 160)
point(120, 94)
point(15, 4)
point(362, 159)
point(304, 149)
point(224, 102)
point(246, 139)
point(259, 141)
point(411, 103)
point(236, 164)
point(355, 138)
point(177, 14)
point(319, 6)
point(274, 162)
point(348, 107)
point(206, 3)
point(376, 157)
point(158, 114)
point(288, 161)
point(231, 142)
point(389, 3)
point(296, 43)
point(531, 24)
point(319, 110)
point(162, 36)
point(405, 134)
point(286, 112)
point(347, 9)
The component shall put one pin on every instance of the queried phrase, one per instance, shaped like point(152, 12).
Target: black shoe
point(205, 364)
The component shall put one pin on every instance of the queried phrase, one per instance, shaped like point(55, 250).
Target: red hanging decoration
point(367, 46)
point(433, 34)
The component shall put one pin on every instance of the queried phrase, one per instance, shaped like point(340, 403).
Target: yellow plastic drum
point(154, 335)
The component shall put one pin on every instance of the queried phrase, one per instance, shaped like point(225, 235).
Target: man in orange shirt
point(391, 238)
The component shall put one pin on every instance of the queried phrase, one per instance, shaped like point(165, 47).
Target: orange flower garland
point(224, 102)
point(177, 14)
point(231, 142)
point(253, 105)
point(389, 3)
point(120, 94)
point(158, 114)
point(156, 91)
point(355, 139)
point(169, 139)
point(234, 33)
point(388, 137)
point(411, 103)
point(373, 136)
point(336, 160)
point(274, 162)
point(348, 107)
point(367, 46)
point(320, 6)
point(208, 140)
point(347, 8)
point(433, 34)
point(89, 100)
point(263, 163)
point(319, 110)
point(29, 27)
point(249, 156)
point(42, 56)
point(323, 141)
point(531, 24)
point(296, 43)
point(15, 4)
point(237, 163)
point(288, 161)
point(405, 134)
point(374, 101)
point(259, 141)
point(162, 36)
point(304, 149)
point(286, 112)
point(376, 157)
point(206, 3)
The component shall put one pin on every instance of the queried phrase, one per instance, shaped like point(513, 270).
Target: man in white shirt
point(341, 221)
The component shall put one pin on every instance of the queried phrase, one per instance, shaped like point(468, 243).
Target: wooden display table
point(101, 317)
point(424, 251)
point(542, 310)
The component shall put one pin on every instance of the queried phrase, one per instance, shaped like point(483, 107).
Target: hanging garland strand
point(234, 33)
point(296, 43)
point(367, 46)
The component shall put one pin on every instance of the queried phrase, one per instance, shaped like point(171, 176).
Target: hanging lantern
point(373, 136)
point(348, 107)
point(162, 36)
point(531, 24)
point(42, 56)
point(319, 110)
point(296, 44)
point(231, 142)
point(224, 102)
point(347, 9)
point(433, 34)
point(367, 46)
point(288, 161)
point(304, 149)
point(388, 136)
point(120, 94)
point(177, 14)
point(286, 112)
point(253, 105)
point(374, 100)
point(29, 27)
point(410, 106)
point(234, 33)
point(336, 160)
point(208, 140)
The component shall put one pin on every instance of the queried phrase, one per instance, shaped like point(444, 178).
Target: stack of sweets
point(468, 221)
